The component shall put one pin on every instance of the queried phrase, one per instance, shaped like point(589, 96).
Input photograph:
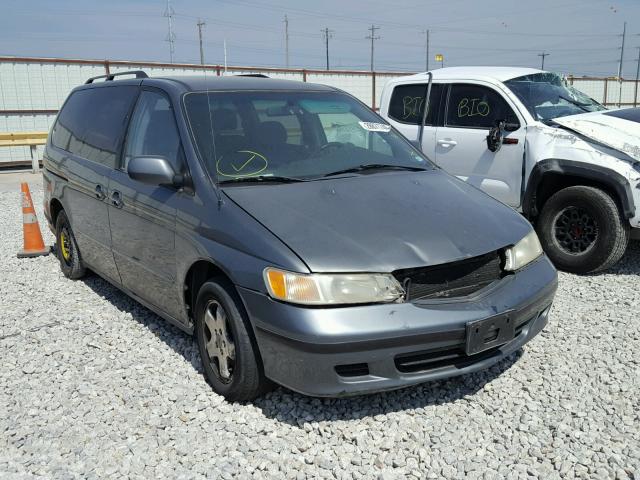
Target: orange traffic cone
point(33, 243)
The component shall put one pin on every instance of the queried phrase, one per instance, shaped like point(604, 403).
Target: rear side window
point(153, 131)
point(91, 123)
point(407, 103)
point(475, 106)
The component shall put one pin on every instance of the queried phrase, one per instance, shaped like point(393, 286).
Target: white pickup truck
point(535, 143)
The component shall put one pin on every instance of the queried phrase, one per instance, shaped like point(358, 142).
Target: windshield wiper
point(375, 166)
point(264, 179)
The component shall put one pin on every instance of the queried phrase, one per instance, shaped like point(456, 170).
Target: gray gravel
point(92, 385)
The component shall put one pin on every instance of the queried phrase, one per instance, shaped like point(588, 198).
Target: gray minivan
point(298, 236)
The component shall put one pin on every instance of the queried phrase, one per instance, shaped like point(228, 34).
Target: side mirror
point(153, 171)
point(494, 139)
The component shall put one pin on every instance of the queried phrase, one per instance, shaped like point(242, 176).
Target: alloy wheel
point(575, 230)
point(220, 346)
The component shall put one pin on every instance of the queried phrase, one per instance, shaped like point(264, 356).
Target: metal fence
point(32, 89)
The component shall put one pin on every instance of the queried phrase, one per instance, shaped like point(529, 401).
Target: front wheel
point(581, 230)
point(230, 361)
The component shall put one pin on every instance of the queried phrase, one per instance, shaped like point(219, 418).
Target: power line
point(373, 38)
point(171, 37)
point(200, 25)
point(543, 55)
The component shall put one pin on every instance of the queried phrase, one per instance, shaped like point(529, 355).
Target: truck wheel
point(582, 230)
point(67, 249)
point(231, 362)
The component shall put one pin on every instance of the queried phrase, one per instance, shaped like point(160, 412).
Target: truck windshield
point(546, 96)
point(284, 136)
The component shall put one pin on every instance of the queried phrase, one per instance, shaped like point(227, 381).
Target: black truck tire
point(582, 230)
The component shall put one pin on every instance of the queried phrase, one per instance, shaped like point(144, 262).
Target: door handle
point(116, 199)
point(99, 191)
point(447, 142)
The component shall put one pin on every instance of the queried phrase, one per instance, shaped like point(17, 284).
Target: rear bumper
point(352, 350)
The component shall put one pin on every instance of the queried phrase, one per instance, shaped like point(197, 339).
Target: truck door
point(405, 110)
point(461, 143)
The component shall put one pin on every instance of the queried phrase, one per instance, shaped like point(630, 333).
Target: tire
point(67, 249)
point(582, 230)
point(240, 377)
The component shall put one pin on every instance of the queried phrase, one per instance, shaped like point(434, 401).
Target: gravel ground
point(92, 384)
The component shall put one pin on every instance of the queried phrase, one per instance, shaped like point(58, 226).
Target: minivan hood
point(382, 222)
point(617, 129)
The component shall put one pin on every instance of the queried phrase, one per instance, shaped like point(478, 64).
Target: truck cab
point(535, 143)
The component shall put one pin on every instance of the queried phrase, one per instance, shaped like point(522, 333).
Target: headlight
point(523, 252)
point(331, 289)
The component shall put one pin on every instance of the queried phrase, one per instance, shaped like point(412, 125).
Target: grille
point(445, 357)
point(454, 279)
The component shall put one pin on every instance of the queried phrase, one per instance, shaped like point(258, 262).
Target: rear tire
point(582, 230)
point(230, 360)
point(67, 249)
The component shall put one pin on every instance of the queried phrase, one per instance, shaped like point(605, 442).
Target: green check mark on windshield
point(241, 167)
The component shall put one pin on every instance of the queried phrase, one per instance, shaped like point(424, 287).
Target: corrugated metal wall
point(32, 89)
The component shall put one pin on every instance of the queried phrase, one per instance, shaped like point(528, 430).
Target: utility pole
point(224, 46)
point(200, 25)
point(426, 57)
point(326, 34)
point(286, 40)
point(624, 36)
point(543, 55)
point(171, 37)
point(373, 38)
point(635, 97)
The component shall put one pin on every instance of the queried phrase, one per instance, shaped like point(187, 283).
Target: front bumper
point(345, 351)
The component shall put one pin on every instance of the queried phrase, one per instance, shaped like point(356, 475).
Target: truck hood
point(617, 129)
point(382, 222)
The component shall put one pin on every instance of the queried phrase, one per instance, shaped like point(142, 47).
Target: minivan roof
point(213, 82)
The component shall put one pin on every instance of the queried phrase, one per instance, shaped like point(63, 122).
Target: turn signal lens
point(331, 289)
point(276, 283)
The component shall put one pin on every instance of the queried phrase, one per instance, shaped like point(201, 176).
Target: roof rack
point(110, 77)
point(256, 75)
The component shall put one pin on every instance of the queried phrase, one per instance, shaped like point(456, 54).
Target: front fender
point(590, 172)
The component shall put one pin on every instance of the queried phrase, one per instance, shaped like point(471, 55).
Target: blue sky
point(582, 36)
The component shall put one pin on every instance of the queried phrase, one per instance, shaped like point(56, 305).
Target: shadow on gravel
point(630, 262)
point(175, 338)
point(289, 407)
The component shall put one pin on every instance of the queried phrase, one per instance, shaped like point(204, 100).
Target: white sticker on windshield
point(375, 127)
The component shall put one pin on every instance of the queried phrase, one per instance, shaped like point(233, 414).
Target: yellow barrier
point(25, 139)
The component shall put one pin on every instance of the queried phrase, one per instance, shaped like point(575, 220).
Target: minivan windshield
point(285, 136)
point(547, 95)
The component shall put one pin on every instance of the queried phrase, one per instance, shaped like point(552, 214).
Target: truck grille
point(454, 279)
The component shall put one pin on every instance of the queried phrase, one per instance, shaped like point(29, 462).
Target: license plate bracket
point(489, 333)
